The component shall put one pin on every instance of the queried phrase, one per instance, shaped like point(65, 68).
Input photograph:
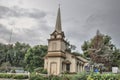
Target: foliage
point(85, 48)
point(116, 58)
point(14, 54)
point(20, 76)
point(55, 77)
point(3, 51)
point(21, 55)
point(20, 50)
point(81, 76)
point(44, 71)
point(5, 67)
point(13, 76)
point(33, 76)
point(101, 50)
point(34, 57)
point(77, 54)
point(103, 77)
point(3, 75)
point(40, 70)
point(13, 71)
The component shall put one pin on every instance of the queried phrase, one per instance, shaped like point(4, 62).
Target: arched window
point(68, 67)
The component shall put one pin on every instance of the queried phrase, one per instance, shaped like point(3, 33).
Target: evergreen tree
point(100, 50)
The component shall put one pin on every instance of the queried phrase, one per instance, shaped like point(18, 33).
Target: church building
point(59, 58)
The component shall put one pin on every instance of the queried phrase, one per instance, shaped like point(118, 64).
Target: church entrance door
point(53, 68)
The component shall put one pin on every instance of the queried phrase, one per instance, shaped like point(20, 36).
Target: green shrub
point(13, 76)
point(118, 76)
point(41, 70)
point(52, 77)
point(65, 72)
point(20, 77)
point(3, 75)
point(33, 76)
point(44, 71)
point(81, 76)
point(92, 76)
point(103, 77)
point(13, 71)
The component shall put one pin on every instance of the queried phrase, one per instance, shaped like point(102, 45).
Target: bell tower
point(56, 48)
point(56, 43)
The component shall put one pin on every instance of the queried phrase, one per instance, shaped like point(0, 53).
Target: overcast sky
point(33, 20)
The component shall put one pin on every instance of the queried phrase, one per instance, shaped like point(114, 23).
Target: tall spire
point(58, 27)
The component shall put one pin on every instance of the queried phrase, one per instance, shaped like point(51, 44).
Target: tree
point(18, 53)
point(116, 58)
point(5, 67)
point(22, 55)
point(3, 51)
point(99, 49)
point(77, 54)
point(85, 48)
point(13, 53)
point(34, 57)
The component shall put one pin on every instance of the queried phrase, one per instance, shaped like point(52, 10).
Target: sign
point(114, 69)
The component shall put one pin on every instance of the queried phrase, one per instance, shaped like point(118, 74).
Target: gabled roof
point(82, 59)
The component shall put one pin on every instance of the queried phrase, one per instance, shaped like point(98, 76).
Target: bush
point(20, 77)
point(33, 76)
point(81, 76)
point(52, 77)
point(44, 71)
point(103, 77)
point(5, 75)
point(41, 70)
point(91, 76)
point(13, 71)
point(5, 67)
point(13, 76)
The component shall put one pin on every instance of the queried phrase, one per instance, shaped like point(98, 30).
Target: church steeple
point(58, 33)
point(58, 27)
point(57, 38)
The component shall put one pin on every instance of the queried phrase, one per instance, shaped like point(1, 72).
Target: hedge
point(13, 76)
point(83, 76)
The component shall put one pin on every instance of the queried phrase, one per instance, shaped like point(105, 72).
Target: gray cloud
point(31, 35)
point(80, 19)
point(104, 15)
point(4, 33)
point(35, 35)
point(6, 12)
point(3, 30)
point(107, 21)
